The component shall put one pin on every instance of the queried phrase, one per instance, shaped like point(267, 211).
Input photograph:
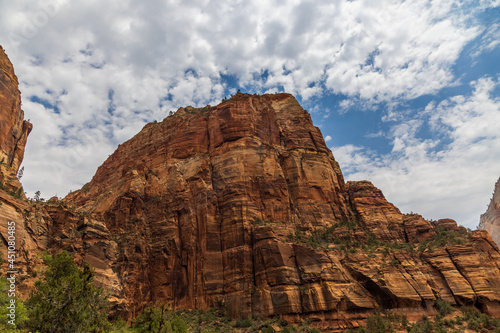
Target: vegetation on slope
point(447, 319)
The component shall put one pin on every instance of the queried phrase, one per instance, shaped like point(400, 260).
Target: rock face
point(31, 224)
point(242, 206)
point(14, 129)
point(490, 220)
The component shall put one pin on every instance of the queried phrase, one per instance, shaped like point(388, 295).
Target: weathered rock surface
point(14, 129)
point(32, 225)
point(242, 206)
point(490, 220)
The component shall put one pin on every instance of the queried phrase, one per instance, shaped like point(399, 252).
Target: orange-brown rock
point(490, 220)
point(32, 223)
point(14, 129)
point(242, 206)
point(224, 206)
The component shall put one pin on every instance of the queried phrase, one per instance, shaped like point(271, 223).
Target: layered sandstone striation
point(32, 225)
point(490, 220)
point(241, 206)
point(14, 129)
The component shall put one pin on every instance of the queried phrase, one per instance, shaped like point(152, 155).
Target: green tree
point(6, 323)
point(66, 299)
point(159, 320)
point(378, 324)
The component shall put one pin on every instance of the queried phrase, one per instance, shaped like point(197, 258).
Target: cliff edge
point(490, 220)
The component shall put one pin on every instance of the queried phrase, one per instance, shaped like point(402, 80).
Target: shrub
point(243, 323)
point(378, 324)
point(444, 308)
point(178, 325)
point(444, 237)
point(66, 299)
point(21, 317)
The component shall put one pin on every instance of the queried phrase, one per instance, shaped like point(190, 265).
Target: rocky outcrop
point(14, 129)
point(31, 224)
point(241, 206)
point(490, 220)
point(182, 196)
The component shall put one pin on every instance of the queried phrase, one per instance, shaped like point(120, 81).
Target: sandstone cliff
point(241, 206)
point(31, 224)
point(14, 129)
point(490, 220)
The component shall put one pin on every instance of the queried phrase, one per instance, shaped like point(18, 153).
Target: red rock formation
point(14, 129)
point(490, 220)
point(31, 224)
point(242, 206)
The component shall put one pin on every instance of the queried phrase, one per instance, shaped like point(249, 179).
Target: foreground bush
point(66, 299)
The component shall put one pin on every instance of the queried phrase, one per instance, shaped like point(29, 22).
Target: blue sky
point(406, 93)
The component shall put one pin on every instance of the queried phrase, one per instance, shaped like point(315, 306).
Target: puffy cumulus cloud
point(458, 177)
point(109, 67)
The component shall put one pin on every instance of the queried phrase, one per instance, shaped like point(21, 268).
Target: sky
point(406, 93)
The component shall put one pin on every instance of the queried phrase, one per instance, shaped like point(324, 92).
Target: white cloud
point(155, 56)
point(456, 179)
point(328, 138)
point(490, 39)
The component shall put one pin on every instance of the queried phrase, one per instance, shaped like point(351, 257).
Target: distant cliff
point(490, 220)
point(241, 206)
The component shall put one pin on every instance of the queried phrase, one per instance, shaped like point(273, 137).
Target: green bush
point(20, 314)
point(66, 299)
point(378, 324)
point(154, 319)
point(243, 323)
point(444, 308)
point(178, 325)
point(444, 237)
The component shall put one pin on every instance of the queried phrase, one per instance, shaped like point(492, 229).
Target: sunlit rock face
point(490, 220)
point(242, 206)
point(14, 129)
